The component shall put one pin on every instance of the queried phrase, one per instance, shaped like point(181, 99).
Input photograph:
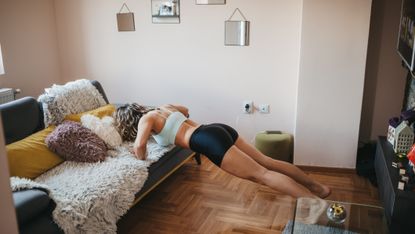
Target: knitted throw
point(91, 197)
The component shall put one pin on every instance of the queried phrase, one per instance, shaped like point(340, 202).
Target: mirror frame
point(210, 2)
point(237, 33)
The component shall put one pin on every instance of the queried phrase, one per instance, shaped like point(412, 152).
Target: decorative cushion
point(74, 142)
point(102, 111)
point(30, 157)
point(73, 97)
point(104, 128)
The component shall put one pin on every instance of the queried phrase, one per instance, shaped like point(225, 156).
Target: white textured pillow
point(104, 128)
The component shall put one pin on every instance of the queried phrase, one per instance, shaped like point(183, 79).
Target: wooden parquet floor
point(204, 199)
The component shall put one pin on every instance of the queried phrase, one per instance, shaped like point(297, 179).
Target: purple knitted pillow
point(74, 142)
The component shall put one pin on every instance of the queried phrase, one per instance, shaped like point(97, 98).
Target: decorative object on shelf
point(408, 115)
point(125, 21)
point(165, 11)
point(2, 72)
point(237, 31)
point(403, 138)
point(411, 158)
point(409, 97)
point(210, 2)
point(336, 213)
point(393, 123)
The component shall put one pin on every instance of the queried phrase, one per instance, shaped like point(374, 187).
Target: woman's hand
point(143, 133)
point(140, 152)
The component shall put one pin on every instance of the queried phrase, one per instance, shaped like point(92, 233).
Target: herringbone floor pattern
point(204, 199)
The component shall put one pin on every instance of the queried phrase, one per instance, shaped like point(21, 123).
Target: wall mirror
point(210, 2)
point(165, 11)
point(1, 63)
point(125, 21)
point(237, 31)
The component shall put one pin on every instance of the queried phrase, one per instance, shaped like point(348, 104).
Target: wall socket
point(264, 108)
point(248, 107)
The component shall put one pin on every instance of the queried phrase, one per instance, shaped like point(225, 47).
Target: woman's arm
point(143, 133)
point(184, 110)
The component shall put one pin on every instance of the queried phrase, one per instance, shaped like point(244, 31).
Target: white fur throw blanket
point(91, 197)
point(73, 97)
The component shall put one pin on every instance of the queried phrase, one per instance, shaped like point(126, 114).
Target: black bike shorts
point(213, 141)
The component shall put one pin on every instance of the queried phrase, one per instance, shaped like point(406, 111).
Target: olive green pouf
point(275, 144)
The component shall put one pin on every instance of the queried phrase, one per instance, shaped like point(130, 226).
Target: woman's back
point(167, 135)
point(171, 126)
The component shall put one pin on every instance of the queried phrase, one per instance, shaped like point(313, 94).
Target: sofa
point(22, 118)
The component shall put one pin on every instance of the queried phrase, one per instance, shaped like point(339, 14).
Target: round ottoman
point(275, 144)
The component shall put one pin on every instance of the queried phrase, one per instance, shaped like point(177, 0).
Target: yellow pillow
point(30, 157)
point(100, 112)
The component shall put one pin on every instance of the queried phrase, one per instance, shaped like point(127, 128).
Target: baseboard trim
point(327, 169)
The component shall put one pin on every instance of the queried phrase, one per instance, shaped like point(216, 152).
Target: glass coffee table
point(318, 216)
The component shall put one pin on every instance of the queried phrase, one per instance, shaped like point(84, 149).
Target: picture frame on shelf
point(165, 11)
point(210, 2)
point(409, 97)
point(406, 40)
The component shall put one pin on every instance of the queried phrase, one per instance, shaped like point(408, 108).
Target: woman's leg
point(283, 167)
point(237, 163)
point(241, 165)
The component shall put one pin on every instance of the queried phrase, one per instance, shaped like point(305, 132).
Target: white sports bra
point(167, 135)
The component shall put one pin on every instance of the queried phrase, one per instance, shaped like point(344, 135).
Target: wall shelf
point(399, 205)
point(165, 16)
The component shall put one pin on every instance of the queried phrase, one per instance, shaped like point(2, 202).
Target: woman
point(169, 124)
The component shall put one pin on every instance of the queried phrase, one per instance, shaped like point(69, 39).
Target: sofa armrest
point(30, 203)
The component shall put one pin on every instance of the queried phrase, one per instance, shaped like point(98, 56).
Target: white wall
point(29, 45)
point(333, 57)
point(188, 63)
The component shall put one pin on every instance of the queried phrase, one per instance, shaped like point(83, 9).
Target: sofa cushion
point(104, 128)
point(16, 122)
point(43, 223)
point(74, 142)
point(100, 112)
point(71, 98)
point(30, 203)
point(30, 157)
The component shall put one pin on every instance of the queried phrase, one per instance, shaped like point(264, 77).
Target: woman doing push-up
point(169, 124)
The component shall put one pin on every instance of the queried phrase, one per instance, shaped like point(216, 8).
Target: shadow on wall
point(385, 77)
point(372, 68)
point(72, 37)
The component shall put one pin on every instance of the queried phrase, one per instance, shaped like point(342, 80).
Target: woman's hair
point(127, 118)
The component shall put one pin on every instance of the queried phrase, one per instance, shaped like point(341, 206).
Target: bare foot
point(320, 190)
point(310, 209)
